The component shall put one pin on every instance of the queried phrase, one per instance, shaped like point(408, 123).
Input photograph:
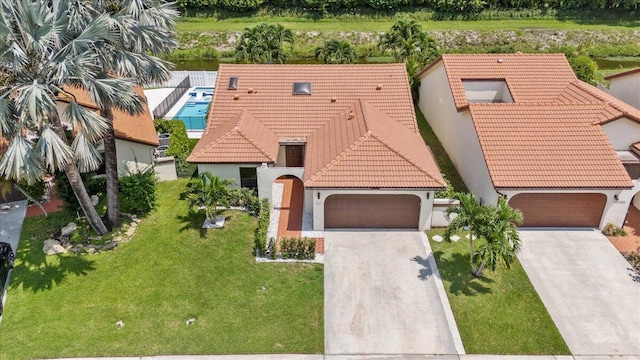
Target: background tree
point(42, 52)
point(147, 30)
point(471, 216)
point(263, 44)
point(406, 40)
point(584, 67)
point(208, 191)
point(336, 52)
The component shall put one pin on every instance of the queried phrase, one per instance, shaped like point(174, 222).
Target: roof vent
point(379, 87)
point(334, 99)
point(500, 60)
point(236, 97)
point(351, 116)
point(251, 91)
point(233, 83)
point(301, 88)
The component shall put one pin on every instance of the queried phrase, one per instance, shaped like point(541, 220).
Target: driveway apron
point(381, 296)
point(589, 289)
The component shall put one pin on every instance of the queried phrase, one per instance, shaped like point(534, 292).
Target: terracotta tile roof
point(137, 128)
point(359, 123)
point(530, 77)
point(549, 137)
point(365, 148)
point(551, 146)
point(623, 73)
point(240, 139)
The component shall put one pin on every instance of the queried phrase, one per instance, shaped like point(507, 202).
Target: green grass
point(368, 23)
point(500, 313)
point(441, 156)
point(67, 306)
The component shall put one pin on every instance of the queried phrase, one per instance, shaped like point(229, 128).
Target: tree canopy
point(263, 44)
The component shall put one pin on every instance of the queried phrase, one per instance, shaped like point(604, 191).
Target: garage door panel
point(372, 211)
point(561, 209)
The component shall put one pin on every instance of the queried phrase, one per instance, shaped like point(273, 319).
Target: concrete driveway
point(381, 297)
point(588, 288)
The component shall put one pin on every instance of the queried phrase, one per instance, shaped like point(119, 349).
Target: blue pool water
point(194, 112)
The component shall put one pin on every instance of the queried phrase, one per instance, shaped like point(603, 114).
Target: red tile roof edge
point(623, 73)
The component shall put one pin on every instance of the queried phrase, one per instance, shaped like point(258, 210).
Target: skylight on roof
point(233, 83)
point(301, 88)
point(487, 91)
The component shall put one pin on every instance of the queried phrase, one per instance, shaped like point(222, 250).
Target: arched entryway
point(291, 207)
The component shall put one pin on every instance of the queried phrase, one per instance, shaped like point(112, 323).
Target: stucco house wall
point(226, 171)
point(128, 152)
point(627, 89)
point(622, 133)
point(319, 196)
point(456, 132)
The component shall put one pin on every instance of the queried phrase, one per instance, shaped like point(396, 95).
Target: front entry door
point(295, 155)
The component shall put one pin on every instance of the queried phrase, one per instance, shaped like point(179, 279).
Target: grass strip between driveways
point(499, 313)
point(68, 305)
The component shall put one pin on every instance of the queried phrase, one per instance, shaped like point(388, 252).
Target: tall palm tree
point(407, 41)
point(336, 52)
point(470, 215)
point(503, 240)
point(147, 30)
point(263, 44)
point(208, 191)
point(42, 52)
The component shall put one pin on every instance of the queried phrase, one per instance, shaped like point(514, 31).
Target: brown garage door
point(371, 211)
point(572, 210)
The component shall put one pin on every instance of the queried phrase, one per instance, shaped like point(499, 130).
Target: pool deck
point(156, 96)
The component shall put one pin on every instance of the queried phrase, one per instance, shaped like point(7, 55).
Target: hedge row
point(447, 6)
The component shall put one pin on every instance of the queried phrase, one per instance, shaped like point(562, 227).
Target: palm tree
point(503, 240)
point(336, 52)
point(42, 52)
point(147, 30)
point(263, 44)
point(407, 41)
point(470, 215)
point(207, 191)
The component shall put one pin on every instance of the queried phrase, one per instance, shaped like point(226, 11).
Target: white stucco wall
point(456, 132)
point(128, 152)
point(440, 207)
point(268, 174)
point(486, 91)
point(320, 195)
point(166, 168)
point(622, 133)
point(614, 210)
point(228, 171)
point(627, 89)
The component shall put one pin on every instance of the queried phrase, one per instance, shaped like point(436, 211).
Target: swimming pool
point(194, 114)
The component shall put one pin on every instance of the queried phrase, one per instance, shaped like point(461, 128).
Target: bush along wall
point(298, 248)
point(260, 240)
point(179, 147)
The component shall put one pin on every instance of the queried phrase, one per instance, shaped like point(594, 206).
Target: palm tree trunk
point(71, 170)
point(471, 251)
point(111, 166)
point(480, 270)
point(30, 198)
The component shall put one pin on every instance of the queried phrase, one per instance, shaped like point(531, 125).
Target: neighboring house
point(136, 136)
point(525, 128)
point(347, 132)
point(626, 86)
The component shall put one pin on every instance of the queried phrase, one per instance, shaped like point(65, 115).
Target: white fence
point(196, 78)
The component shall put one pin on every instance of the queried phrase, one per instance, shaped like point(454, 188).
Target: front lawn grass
point(499, 313)
point(171, 271)
point(441, 156)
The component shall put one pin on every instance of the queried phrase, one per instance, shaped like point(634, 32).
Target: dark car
point(6, 263)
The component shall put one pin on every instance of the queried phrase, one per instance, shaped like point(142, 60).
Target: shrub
point(612, 230)
point(271, 248)
point(138, 191)
point(180, 145)
point(447, 193)
point(263, 227)
point(298, 248)
point(246, 198)
point(584, 67)
point(94, 185)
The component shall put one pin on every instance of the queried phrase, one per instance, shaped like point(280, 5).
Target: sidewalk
point(368, 357)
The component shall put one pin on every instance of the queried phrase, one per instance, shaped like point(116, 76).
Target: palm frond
point(53, 151)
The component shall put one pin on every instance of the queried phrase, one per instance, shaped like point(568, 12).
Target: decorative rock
point(76, 249)
point(120, 324)
point(436, 238)
point(190, 321)
point(53, 247)
point(6, 207)
point(467, 236)
point(455, 238)
point(117, 239)
point(95, 200)
point(109, 246)
point(218, 224)
point(91, 250)
point(130, 232)
point(69, 229)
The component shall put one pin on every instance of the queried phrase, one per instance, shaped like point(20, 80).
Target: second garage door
point(372, 211)
point(560, 210)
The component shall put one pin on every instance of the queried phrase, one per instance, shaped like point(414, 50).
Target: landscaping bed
point(499, 313)
point(176, 288)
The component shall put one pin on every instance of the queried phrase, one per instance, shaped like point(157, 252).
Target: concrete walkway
point(366, 357)
point(589, 289)
point(381, 297)
point(10, 228)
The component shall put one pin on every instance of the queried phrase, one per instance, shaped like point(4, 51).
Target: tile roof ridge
point(339, 158)
point(243, 115)
point(211, 144)
point(607, 99)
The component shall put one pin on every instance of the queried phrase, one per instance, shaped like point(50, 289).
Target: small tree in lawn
point(470, 215)
point(501, 234)
point(207, 191)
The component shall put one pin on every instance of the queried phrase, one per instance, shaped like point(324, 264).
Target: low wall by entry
point(166, 168)
point(438, 215)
